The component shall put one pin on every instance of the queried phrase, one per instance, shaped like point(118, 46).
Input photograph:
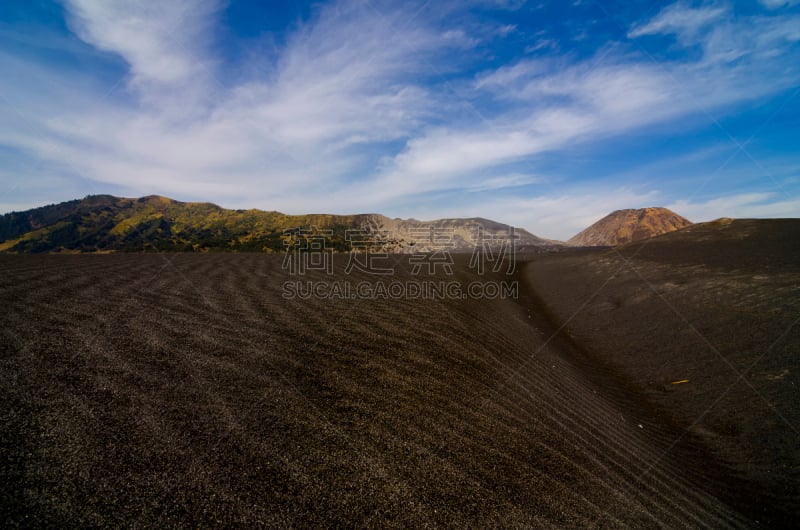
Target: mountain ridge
point(105, 223)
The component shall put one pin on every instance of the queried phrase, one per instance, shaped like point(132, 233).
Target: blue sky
point(545, 115)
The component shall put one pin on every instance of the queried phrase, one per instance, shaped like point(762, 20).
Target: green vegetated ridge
point(103, 223)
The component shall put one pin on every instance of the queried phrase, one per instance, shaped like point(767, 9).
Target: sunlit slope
point(106, 223)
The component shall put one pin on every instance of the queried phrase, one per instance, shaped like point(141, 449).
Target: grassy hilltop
point(107, 223)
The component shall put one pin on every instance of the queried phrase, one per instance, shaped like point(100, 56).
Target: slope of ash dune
point(185, 390)
point(626, 226)
point(705, 321)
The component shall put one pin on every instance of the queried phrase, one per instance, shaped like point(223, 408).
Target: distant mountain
point(103, 223)
point(625, 226)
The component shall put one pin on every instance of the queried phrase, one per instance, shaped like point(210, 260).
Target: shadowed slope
point(705, 320)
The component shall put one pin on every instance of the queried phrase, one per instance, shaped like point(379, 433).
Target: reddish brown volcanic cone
point(624, 226)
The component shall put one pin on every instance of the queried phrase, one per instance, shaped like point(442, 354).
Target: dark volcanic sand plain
point(184, 390)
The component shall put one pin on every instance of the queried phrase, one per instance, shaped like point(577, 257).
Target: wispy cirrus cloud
point(775, 4)
point(554, 104)
point(744, 205)
point(165, 44)
point(680, 18)
point(723, 36)
point(292, 123)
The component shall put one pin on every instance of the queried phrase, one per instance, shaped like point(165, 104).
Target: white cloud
point(745, 205)
point(679, 18)
point(582, 103)
point(165, 43)
point(723, 37)
point(587, 102)
point(553, 105)
point(775, 4)
point(459, 38)
point(506, 29)
point(344, 80)
point(542, 44)
point(511, 180)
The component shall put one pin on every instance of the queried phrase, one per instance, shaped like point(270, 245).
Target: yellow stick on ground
point(680, 382)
